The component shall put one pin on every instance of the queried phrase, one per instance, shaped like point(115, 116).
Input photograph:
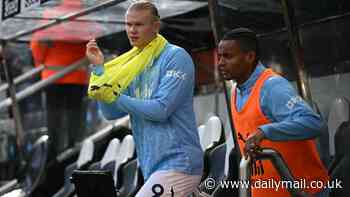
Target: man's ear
point(156, 26)
point(251, 56)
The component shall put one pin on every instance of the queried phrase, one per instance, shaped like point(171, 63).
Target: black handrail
point(278, 162)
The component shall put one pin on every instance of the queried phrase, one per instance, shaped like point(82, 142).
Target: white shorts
point(169, 184)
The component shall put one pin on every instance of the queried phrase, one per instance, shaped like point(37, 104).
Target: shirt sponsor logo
point(177, 74)
point(294, 100)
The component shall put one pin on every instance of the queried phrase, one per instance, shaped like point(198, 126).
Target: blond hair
point(145, 5)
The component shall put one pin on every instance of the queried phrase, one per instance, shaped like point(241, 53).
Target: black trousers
point(66, 116)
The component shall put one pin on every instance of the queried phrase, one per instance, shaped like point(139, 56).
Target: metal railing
point(278, 163)
point(31, 73)
point(41, 84)
point(9, 186)
point(244, 175)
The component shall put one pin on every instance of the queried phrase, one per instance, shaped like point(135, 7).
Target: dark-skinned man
point(267, 112)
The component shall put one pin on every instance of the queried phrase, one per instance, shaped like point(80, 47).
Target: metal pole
point(216, 28)
point(217, 31)
point(296, 49)
point(215, 23)
point(23, 77)
point(66, 18)
point(41, 84)
point(244, 176)
point(15, 108)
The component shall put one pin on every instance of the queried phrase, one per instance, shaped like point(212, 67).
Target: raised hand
point(93, 53)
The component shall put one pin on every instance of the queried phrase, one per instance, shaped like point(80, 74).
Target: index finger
point(92, 45)
point(92, 41)
point(91, 37)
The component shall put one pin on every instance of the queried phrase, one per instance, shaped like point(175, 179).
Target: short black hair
point(246, 38)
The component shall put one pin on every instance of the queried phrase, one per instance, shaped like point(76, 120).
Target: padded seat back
point(130, 178)
point(216, 164)
point(85, 156)
point(340, 166)
point(202, 140)
point(210, 132)
point(339, 133)
point(232, 175)
point(86, 153)
point(126, 152)
point(37, 164)
point(214, 129)
point(339, 113)
point(111, 153)
point(127, 149)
